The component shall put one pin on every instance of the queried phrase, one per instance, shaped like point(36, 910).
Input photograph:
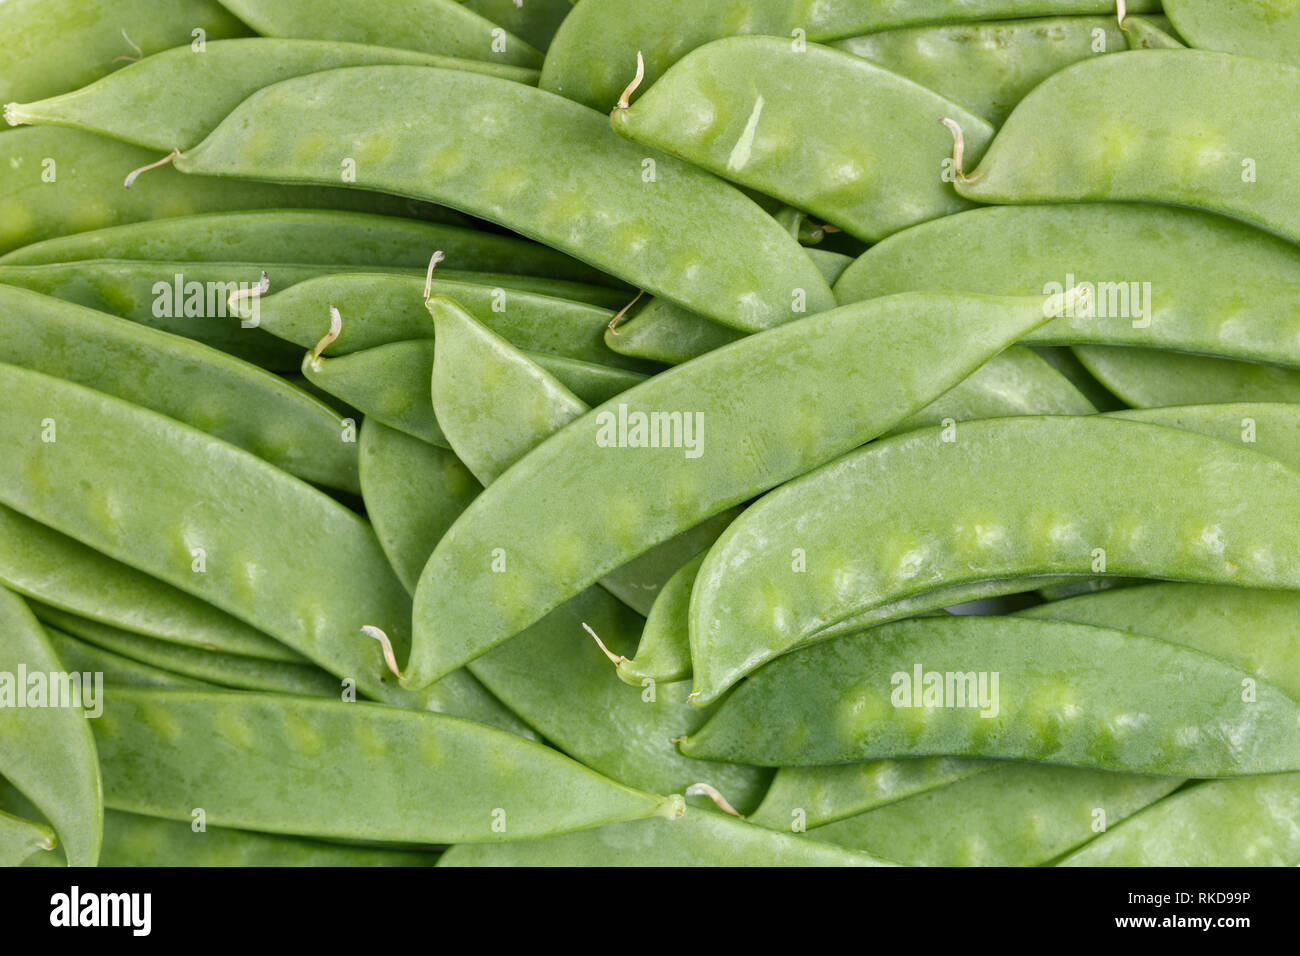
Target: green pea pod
point(1149, 144)
point(825, 395)
point(173, 99)
point(870, 163)
point(817, 564)
point(40, 563)
point(180, 378)
point(1156, 274)
point(993, 687)
point(701, 838)
point(594, 52)
point(639, 583)
point(1145, 378)
point(481, 147)
point(1149, 33)
point(664, 653)
point(252, 761)
point(1270, 428)
point(59, 181)
point(534, 21)
point(1063, 359)
point(67, 45)
point(443, 27)
point(46, 747)
point(1270, 31)
point(665, 332)
point(21, 838)
point(1248, 822)
point(78, 655)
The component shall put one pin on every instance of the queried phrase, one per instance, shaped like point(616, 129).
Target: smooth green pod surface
point(1270, 428)
point(1146, 378)
point(871, 163)
point(79, 655)
point(483, 147)
point(1270, 30)
point(825, 395)
point(21, 838)
point(533, 21)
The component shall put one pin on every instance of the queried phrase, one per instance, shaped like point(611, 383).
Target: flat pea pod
point(173, 99)
point(1248, 822)
point(252, 761)
point(595, 48)
point(1150, 143)
point(181, 378)
point(1155, 273)
point(21, 838)
point(870, 164)
point(483, 147)
point(1146, 378)
point(993, 687)
point(443, 27)
point(812, 377)
point(1011, 815)
point(860, 561)
point(1270, 428)
point(1149, 33)
point(533, 21)
point(664, 653)
point(700, 838)
point(40, 563)
point(65, 44)
point(1270, 31)
point(46, 747)
point(81, 656)
point(1063, 359)
point(59, 181)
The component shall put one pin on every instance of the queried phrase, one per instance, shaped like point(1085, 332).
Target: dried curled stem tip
point(708, 790)
point(263, 285)
point(326, 340)
point(623, 101)
point(428, 276)
point(135, 173)
point(618, 316)
point(615, 659)
point(958, 147)
point(139, 53)
point(1121, 12)
point(382, 638)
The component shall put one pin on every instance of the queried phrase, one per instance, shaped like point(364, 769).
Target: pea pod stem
point(135, 174)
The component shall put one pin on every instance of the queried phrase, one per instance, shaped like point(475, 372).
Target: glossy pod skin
point(863, 697)
point(172, 100)
point(1145, 378)
point(1151, 143)
point(701, 838)
point(871, 163)
point(442, 27)
point(1270, 428)
point(1270, 31)
point(657, 235)
point(828, 403)
point(1157, 273)
point(46, 749)
point(251, 761)
point(595, 49)
point(1086, 489)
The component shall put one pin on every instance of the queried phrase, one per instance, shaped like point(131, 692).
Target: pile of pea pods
point(677, 433)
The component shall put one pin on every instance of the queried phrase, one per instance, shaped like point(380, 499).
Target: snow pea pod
point(1248, 822)
point(993, 687)
point(79, 655)
point(700, 838)
point(596, 46)
point(59, 181)
point(533, 21)
point(1146, 378)
point(860, 560)
point(172, 100)
point(46, 748)
point(813, 377)
point(1270, 31)
point(61, 45)
point(738, 108)
point(183, 379)
point(21, 838)
point(1173, 132)
point(1149, 33)
point(252, 761)
point(1270, 428)
point(664, 653)
point(441, 27)
point(482, 146)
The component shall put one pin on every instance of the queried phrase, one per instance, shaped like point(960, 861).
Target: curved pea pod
point(180, 378)
point(58, 181)
point(46, 747)
point(1050, 496)
point(700, 838)
point(813, 376)
point(173, 99)
point(1150, 142)
point(252, 762)
point(66, 45)
point(595, 48)
point(1063, 359)
point(1270, 31)
point(79, 655)
point(1149, 33)
point(1247, 822)
point(1145, 378)
point(483, 147)
point(1156, 274)
point(442, 27)
point(1007, 688)
point(664, 652)
point(1270, 428)
point(534, 21)
point(738, 108)
point(21, 838)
